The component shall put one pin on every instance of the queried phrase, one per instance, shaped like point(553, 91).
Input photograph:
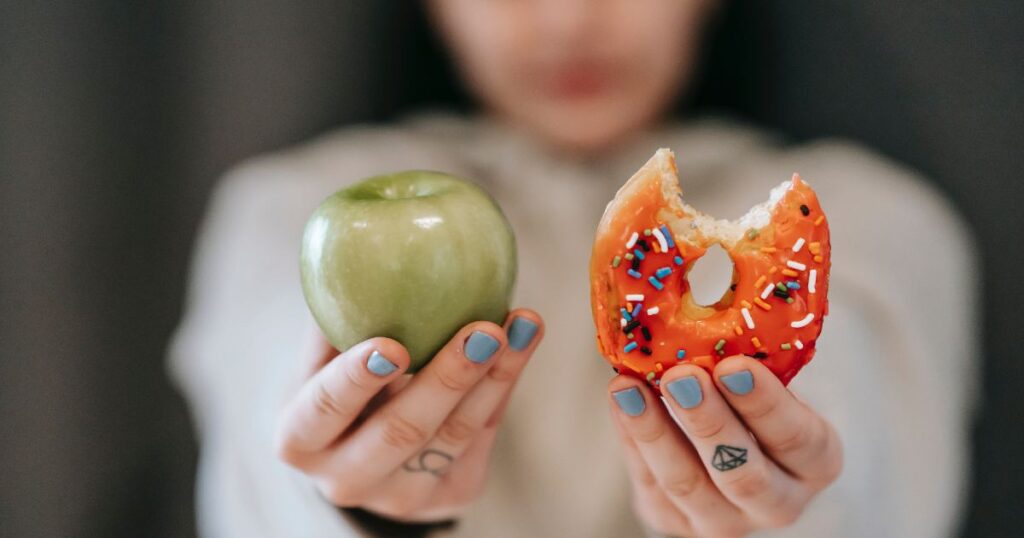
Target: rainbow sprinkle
point(632, 240)
point(668, 236)
point(746, 317)
point(803, 322)
point(662, 242)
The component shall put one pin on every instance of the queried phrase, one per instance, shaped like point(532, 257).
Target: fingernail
point(521, 333)
point(630, 401)
point(739, 383)
point(379, 365)
point(480, 346)
point(686, 392)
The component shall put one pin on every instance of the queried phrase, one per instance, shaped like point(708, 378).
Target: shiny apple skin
point(412, 256)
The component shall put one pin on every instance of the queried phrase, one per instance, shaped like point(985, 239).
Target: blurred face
point(580, 74)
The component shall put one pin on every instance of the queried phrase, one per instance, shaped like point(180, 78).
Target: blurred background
point(116, 118)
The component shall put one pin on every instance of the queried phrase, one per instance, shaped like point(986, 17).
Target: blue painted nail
point(686, 392)
point(480, 346)
point(630, 401)
point(521, 333)
point(739, 383)
point(379, 365)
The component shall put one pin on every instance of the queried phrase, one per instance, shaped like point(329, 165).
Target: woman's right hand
point(409, 448)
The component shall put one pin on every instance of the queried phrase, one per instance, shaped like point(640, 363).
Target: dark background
point(117, 117)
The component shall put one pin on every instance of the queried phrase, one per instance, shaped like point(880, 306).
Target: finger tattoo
point(430, 461)
point(727, 457)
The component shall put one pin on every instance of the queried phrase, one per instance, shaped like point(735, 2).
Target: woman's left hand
point(749, 456)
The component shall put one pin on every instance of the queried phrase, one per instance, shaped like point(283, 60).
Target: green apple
point(412, 256)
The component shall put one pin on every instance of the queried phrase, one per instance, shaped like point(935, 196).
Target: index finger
point(332, 399)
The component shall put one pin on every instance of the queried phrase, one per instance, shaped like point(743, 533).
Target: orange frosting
point(763, 257)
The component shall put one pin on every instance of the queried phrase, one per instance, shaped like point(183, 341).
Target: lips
point(578, 81)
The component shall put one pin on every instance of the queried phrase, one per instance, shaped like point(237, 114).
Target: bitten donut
point(649, 238)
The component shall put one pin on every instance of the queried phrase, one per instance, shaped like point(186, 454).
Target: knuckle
point(327, 404)
point(763, 409)
point(357, 377)
point(504, 372)
point(812, 442)
point(401, 433)
point(798, 439)
point(751, 484)
point(456, 430)
point(706, 425)
point(650, 434)
point(682, 485)
point(455, 381)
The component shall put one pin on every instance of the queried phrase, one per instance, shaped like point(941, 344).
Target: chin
point(584, 142)
point(582, 137)
point(588, 128)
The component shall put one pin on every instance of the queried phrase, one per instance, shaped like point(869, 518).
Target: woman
point(573, 96)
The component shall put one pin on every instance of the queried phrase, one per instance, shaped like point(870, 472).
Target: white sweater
point(892, 372)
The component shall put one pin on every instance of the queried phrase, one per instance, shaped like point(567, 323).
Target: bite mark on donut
point(780, 254)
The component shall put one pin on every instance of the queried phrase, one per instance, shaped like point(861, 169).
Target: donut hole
point(710, 277)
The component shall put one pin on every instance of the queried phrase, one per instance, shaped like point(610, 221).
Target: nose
point(565, 22)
